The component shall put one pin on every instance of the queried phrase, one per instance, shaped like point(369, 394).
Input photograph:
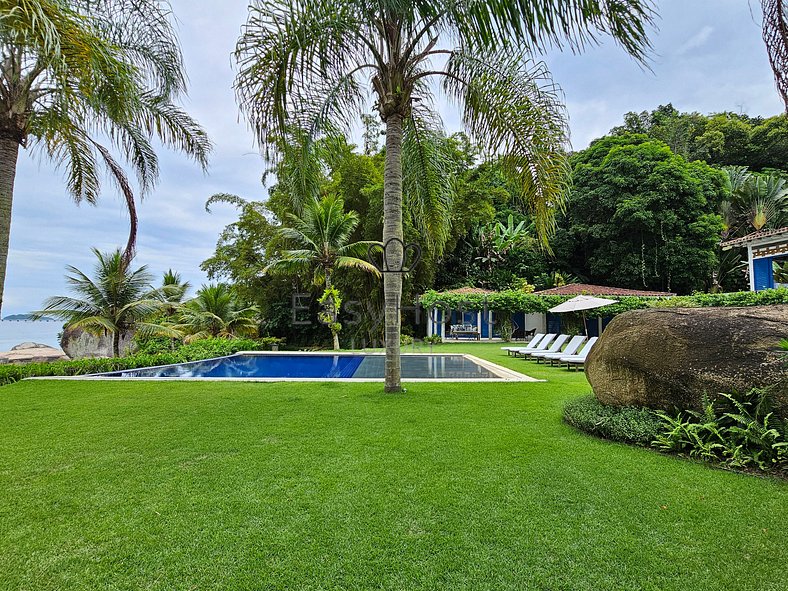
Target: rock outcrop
point(32, 352)
point(667, 358)
point(79, 344)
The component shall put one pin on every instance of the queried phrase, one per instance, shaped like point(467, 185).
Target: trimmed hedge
point(202, 349)
point(628, 424)
point(519, 301)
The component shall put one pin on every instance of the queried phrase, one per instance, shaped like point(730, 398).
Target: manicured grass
point(335, 486)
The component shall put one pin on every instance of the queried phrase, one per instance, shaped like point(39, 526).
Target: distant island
point(26, 317)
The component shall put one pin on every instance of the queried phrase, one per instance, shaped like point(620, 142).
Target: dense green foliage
point(640, 426)
point(738, 430)
point(334, 486)
point(642, 217)
point(517, 300)
point(152, 352)
point(720, 139)
point(215, 311)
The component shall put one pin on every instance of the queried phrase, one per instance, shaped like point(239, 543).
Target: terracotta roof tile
point(599, 290)
point(469, 291)
point(755, 236)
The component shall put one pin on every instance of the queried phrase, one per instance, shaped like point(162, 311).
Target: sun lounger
point(531, 344)
point(554, 347)
point(570, 349)
point(580, 358)
point(541, 346)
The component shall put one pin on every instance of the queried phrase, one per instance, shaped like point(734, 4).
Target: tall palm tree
point(322, 233)
point(314, 64)
point(75, 71)
point(216, 312)
point(117, 300)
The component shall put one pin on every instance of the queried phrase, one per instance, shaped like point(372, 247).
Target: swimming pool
point(259, 366)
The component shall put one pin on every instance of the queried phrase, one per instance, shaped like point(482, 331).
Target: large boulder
point(79, 344)
point(667, 358)
point(32, 352)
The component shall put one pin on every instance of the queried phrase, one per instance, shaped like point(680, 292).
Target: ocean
point(14, 332)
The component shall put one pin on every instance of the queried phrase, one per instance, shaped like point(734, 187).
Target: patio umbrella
point(582, 303)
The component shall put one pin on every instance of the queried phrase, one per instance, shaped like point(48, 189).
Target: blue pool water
point(314, 366)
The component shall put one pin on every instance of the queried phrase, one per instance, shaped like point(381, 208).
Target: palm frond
point(775, 35)
point(427, 179)
point(512, 108)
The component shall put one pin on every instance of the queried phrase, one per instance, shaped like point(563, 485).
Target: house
point(767, 252)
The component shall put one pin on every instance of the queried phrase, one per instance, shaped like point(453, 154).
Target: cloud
point(696, 41)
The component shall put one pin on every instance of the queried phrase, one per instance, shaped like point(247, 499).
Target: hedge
point(202, 349)
point(512, 301)
point(640, 426)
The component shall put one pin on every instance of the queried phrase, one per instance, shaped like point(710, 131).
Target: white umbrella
point(581, 303)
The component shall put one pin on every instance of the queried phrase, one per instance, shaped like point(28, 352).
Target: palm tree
point(216, 312)
point(322, 231)
point(75, 71)
point(173, 291)
point(313, 65)
point(115, 302)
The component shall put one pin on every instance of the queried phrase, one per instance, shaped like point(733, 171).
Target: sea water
point(14, 332)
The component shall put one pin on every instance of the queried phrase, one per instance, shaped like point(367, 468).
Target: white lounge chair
point(570, 349)
point(531, 344)
point(541, 346)
point(580, 358)
point(554, 347)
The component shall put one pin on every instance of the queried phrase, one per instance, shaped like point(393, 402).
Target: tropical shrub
point(433, 339)
point(737, 430)
point(405, 339)
point(628, 424)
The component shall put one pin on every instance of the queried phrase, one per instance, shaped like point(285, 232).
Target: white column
point(489, 325)
point(430, 311)
point(751, 267)
point(479, 322)
point(443, 324)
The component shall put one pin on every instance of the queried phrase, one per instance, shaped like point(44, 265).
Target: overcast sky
point(708, 57)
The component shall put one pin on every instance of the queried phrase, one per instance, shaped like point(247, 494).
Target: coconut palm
point(115, 302)
point(322, 233)
point(172, 292)
point(73, 72)
point(215, 312)
point(314, 64)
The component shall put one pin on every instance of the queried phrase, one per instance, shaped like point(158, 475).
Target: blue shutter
point(762, 274)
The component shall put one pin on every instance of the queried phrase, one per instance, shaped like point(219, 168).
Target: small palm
point(115, 301)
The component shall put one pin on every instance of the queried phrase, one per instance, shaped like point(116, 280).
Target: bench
point(465, 330)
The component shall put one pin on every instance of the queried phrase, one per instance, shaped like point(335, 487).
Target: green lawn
point(331, 486)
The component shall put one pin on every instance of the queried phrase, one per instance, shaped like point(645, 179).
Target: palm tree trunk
point(9, 153)
point(334, 333)
point(116, 343)
point(392, 228)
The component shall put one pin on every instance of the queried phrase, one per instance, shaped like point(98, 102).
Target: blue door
point(763, 275)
